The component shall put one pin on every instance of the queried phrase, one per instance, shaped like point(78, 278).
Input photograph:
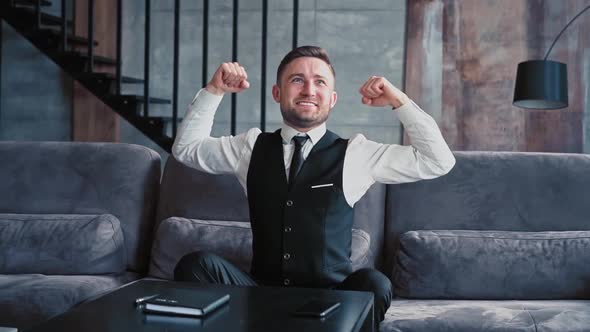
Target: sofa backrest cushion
point(231, 240)
point(508, 191)
point(61, 244)
point(493, 265)
point(188, 193)
point(85, 178)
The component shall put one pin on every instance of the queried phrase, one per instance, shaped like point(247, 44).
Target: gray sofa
point(76, 220)
point(501, 243)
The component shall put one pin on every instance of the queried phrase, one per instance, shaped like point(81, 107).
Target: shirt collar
point(287, 133)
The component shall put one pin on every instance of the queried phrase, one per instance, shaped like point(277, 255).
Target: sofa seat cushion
point(467, 316)
point(28, 299)
point(493, 265)
point(231, 240)
point(61, 244)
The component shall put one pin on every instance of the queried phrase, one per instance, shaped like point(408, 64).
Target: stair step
point(134, 105)
point(105, 84)
point(141, 99)
point(53, 20)
point(48, 19)
point(110, 76)
point(97, 58)
point(159, 124)
point(132, 80)
point(154, 120)
point(26, 16)
point(83, 55)
point(52, 33)
point(44, 3)
point(168, 118)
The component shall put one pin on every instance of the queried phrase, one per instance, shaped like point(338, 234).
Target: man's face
point(305, 92)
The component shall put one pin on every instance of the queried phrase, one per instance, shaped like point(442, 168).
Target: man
point(302, 181)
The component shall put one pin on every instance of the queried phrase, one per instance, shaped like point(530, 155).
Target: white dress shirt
point(365, 162)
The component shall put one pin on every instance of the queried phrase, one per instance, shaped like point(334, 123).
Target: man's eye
point(322, 82)
point(297, 80)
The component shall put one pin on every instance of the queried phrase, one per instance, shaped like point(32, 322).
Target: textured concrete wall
point(362, 38)
point(36, 95)
point(465, 63)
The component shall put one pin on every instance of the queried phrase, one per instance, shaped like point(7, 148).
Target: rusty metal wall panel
point(478, 45)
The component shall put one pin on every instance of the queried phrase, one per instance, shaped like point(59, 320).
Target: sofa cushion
point(61, 244)
point(85, 178)
point(466, 316)
point(28, 299)
point(232, 240)
point(493, 265)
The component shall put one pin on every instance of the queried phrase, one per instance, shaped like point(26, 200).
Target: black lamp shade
point(541, 84)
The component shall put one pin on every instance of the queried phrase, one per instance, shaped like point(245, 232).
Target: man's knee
point(185, 268)
point(371, 280)
point(376, 282)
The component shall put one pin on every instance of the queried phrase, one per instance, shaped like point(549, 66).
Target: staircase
point(53, 36)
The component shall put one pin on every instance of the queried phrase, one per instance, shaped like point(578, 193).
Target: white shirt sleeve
point(195, 148)
point(367, 162)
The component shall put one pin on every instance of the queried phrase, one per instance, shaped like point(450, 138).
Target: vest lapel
point(325, 142)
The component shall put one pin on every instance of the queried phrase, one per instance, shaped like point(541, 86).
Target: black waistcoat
point(301, 236)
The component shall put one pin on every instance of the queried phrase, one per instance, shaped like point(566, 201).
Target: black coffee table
point(249, 309)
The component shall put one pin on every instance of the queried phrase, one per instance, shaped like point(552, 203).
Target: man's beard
point(291, 117)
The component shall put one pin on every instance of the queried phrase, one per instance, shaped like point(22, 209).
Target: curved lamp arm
point(562, 31)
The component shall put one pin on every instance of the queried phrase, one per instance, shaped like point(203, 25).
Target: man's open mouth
point(306, 103)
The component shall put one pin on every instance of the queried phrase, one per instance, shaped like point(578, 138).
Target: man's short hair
point(302, 51)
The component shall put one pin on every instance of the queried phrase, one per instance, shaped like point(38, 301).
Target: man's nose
point(308, 89)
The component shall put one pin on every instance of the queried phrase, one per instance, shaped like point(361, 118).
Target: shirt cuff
point(207, 99)
point(409, 113)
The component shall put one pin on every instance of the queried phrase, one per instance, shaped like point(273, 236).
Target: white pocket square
point(322, 185)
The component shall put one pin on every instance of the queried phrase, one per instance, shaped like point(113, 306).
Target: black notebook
point(187, 302)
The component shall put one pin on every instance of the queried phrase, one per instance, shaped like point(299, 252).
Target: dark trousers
point(203, 267)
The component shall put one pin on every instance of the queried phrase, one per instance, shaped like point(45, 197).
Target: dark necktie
point(297, 160)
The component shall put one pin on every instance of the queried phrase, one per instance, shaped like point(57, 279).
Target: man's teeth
point(306, 103)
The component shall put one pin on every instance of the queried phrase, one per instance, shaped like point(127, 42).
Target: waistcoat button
point(287, 256)
point(286, 282)
point(288, 229)
point(289, 203)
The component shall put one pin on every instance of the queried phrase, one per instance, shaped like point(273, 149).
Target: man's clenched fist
point(229, 77)
point(378, 91)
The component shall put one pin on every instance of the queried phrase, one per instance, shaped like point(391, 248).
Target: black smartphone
point(317, 308)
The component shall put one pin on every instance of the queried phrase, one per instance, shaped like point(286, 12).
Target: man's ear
point(333, 99)
point(276, 93)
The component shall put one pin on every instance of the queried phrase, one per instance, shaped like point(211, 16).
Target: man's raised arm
point(193, 145)
point(428, 156)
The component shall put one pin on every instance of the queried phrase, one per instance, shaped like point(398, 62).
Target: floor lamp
point(542, 84)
